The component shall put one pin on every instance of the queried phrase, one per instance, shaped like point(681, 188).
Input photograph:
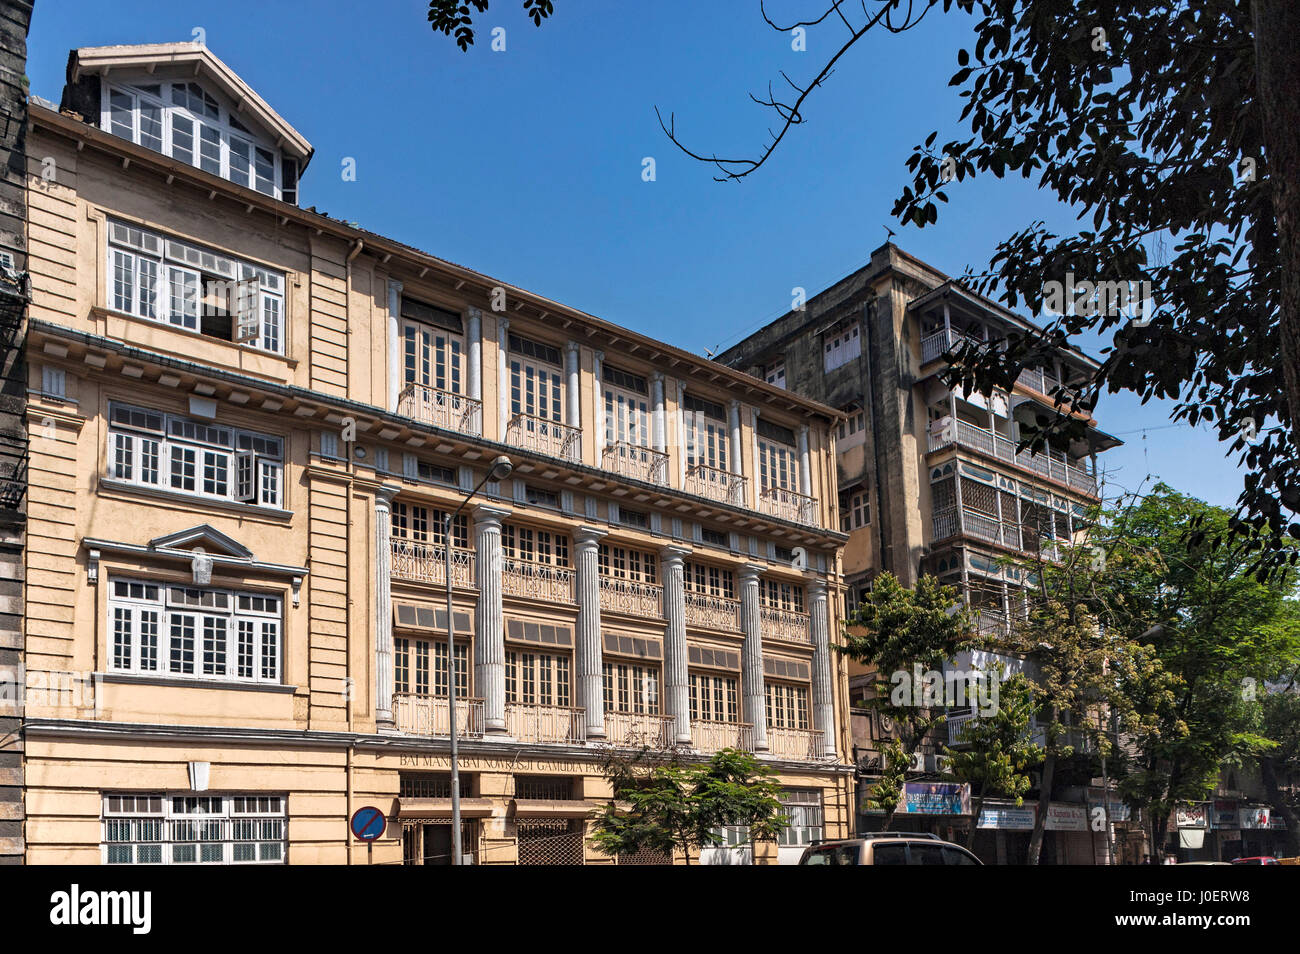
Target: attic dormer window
point(187, 123)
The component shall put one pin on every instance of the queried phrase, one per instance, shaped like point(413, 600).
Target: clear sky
point(527, 164)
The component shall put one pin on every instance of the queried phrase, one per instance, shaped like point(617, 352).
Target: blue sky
point(526, 164)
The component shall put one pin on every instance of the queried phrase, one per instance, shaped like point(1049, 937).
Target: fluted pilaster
point(822, 687)
point(751, 656)
point(489, 642)
point(384, 605)
point(590, 688)
point(677, 690)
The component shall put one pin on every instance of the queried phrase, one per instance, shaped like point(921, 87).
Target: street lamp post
point(500, 469)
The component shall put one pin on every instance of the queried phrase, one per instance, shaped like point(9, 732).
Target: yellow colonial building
point(248, 424)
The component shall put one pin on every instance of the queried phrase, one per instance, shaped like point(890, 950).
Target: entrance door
point(437, 844)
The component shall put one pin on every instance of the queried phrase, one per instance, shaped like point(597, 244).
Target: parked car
point(885, 848)
point(1257, 860)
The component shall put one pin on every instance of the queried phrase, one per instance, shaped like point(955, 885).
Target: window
point(157, 829)
point(778, 595)
point(537, 679)
point(534, 546)
point(197, 632)
point(540, 497)
point(706, 433)
point(421, 524)
point(184, 121)
point(170, 281)
point(710, 580)
point(775, 374)
point(411, 667)
point(623, 563)
point(432, 346)
point(804, 817)
point(627, 413)
point(842, 348)
point(852, 430)
point(855, 510)
point(787, 705)
point(633, 518)
point(776, 457)
point(714, 698)
point(631, 688)
point(714, 537)
point(536, 387)
point(152, 449)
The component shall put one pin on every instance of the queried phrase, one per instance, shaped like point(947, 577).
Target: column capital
point(486, 515)
point(384, 495)
point(816, 585)
point(503, 323)
point(657, 376)
point(572, 347)
point(474, 313)
point(674, 554)
point(750, 571)
point(394, 286)
point(586, 536)
point(598, 355)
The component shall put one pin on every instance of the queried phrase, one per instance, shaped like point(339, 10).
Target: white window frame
point(842, 348)
point(159, 828)
point(433, 357)
point(707, 438)
point(130, 443)
point(778, 465)
point(230, 135)
point(233, 613)
point(149, 260)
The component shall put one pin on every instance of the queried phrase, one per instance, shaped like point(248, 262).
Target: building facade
point(250, 425)
point(930, 478)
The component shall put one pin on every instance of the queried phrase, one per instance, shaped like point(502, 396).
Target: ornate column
point(751, 656)
point(474, 347)
point(394, 343)
point(489, 636)
point(677, 690)
point(659, 434)
point(503, 376)
point(598, 426)
point(805, 465)
point(737, 457)
point(384, 604)
point(822, 687)
point(587, 664)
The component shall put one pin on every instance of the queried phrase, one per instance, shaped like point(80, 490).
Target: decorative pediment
point(211, 540)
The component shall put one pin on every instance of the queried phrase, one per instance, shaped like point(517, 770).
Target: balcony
point(451, 412)
point(636, 462)
point(640, 730)
point(802, 744)
point(981, 526)
point(785, 624)
point(715, 484)
point(712, 612)
point(709, 737)
point(631, 597)
point(428, 715)
point(533, 723)
point(787, 504)
point(542, 582)
point(426, 563)
point(956, 723)
point(1037, 380)
point(1053, 467)
point(545, 437)
point(934, 346)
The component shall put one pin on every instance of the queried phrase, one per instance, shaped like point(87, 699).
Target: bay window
point(167, 280)
point(153, 449)
point(200, 632)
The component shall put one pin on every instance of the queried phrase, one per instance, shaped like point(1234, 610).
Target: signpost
point(368, 824)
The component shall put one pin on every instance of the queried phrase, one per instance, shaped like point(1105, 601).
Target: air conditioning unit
point(937, 763)
point(918, 762)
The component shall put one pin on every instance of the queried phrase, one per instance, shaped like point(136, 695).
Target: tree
point(667, 806)
point(1280, 711)
point(453, 17)
point(901, 632)
point(997, 752)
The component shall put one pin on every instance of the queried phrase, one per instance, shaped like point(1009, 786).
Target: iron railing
point(444, 409)
point(712, 612)
point(427, 715)
point(637, 462)
point(789, 505)
point(631, 597)
point(531, 580)
point(426, 563)
point(717, 484)
point(543, 723)
point(545, 436)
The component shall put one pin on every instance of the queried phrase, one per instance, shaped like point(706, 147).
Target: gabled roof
point(203, 64)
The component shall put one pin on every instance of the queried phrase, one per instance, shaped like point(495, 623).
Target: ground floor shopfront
point(123, 794)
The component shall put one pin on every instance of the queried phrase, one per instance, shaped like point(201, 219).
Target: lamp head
point(501, 468)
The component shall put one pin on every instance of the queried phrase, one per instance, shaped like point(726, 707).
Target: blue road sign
point(368, 823)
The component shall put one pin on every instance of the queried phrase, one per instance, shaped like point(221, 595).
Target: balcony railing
point(956, 723)
point(1054, 467)
point(426, 563)
point(933, 346)
point(788, 505)
point(545, 436)
point(712, 612)
point(785, 624)
point(794, 743)
point(428, 715)
point(638, 730)
point(452, 412)
point(1036, 380)
point(534, 723)
point(972, 523)
point(705, 481)
point(536, 581)
point(709, 737)
point(637, 462)
point(631, 597)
